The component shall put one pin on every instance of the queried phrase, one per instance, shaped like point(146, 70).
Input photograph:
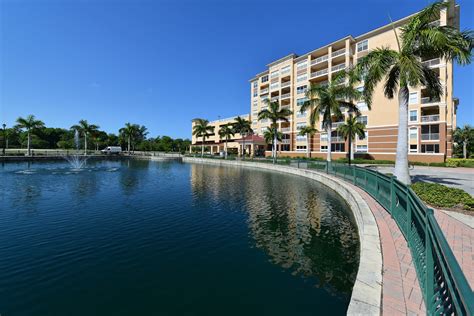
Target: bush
point(442, 196)
point(460, 162)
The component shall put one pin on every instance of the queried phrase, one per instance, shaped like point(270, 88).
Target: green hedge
point(460, 162)
point(439, 195)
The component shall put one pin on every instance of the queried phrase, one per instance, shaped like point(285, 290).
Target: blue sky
point(162, 63)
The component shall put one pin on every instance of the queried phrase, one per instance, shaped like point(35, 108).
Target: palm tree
point(308, 131)
point(86, 129)
point(30, 124)
point(402, 68)
point(243, 127)
point(328, 101)
point(464, 136)
point(275, 115)
point(225, 132)
point(349, 130)
point(269, 136)
point(202, 129)
point(129, 132)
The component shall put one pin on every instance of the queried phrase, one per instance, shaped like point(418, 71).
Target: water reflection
point(301, 225)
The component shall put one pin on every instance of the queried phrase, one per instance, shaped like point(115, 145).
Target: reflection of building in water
point(300, 225)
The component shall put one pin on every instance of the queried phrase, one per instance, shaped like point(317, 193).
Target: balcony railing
point(264, 91)
point(336, 124)
point(285, 141)
point(430, 118)
point(302, 66)
point(285, 71)
point(319, 60)
point(286, 129)
point(429, 100)
point(274, 86)
point(338, 67)
point(319, 73)
point(273, 99)
point(338, 52)
point(286, 84)
point(432, 62)
point(337, 139)
point(432, 136)
point(285, 96)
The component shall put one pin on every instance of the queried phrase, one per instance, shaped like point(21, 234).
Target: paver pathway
point(401, 293)
point(460, 238)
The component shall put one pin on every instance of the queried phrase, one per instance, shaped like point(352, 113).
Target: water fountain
point(77, 161)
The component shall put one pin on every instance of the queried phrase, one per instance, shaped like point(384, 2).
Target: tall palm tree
point(85, 129)
point(308, 131)
point(275, 115)
point(30, 124)
point(225, 132)
point(349, 130)
point(129, 132)
point(401, 68)
point(202, 129)
point(243, 127)
point(269, 136)
point(464, 136)
point(329, 101)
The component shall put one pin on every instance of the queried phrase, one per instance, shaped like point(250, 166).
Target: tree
point(328, 101)
point(128, 132)
point(85, 129)
point(30, 124)
point(349, 130)
point(402, 68)
point(270, 138)
point(243, 127)
point(225, 132)
point(464, 136)
point(202, 129)
point(275, 115)
point(308, 131)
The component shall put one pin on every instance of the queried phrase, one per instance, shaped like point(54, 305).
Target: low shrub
point(460, 162)
point(439, 195)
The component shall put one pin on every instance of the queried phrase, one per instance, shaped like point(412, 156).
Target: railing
point(285, 71)
point(431, 136)
point(301, 66)
point(338, 52)
point(286, 95)
point(285, 141)
point(430, 118)
point(273, 99)
point(337, 139)
point(432, 62)
point(338, 67)
point(264, 91)
point(426, 100)
point(274, 86)
point(286, 84)
point(286, 129)
point(319, 73)
point(319, 60)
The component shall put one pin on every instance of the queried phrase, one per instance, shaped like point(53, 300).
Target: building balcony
point(338, 67)
point(285, 96)
point(275, 99)
point(429, 118)
point(432, 63)
point(337, 139)
point(319, 73)
point(338, 53)
point(285, 71)
point(319, 60)
point(427, 100)
point(263, 91)
point(274, 86)
point(286, 129)
point(432, 136)
point(286, 84)
point(285, 141)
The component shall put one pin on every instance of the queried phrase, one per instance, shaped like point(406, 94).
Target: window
point(300, 126)
point(254, 122)
point(362, 106)
point(301, 115)
point(285, 69)
point(255, 84)
point(274, 85)
point(302, 77)
point(301, 89)
point(274, 74)
point(255, 103)
point(324, 148)
point(362, 46)
point(413, 98)
point(255, 93)
point(413, 148)
point(302, 65)
point(337, 147)
point(324, 137)
point(413, 115)
point(430, 148)
point(361, 148)
point(265, 78)
point(300, 148)
point(301, 138)
point(365, 135)
point(413, 134)
point(362, 119)
point(301, 101)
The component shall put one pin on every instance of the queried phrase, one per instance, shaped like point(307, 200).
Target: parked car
point(112, 150)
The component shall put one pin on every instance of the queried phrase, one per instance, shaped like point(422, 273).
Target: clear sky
point(162, 63)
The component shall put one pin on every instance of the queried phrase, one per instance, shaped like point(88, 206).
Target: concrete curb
point(366, 296)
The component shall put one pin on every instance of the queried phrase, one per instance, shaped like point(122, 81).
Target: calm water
point(148, 238)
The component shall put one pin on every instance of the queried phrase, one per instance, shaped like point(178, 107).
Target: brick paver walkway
point(401, 293)
point(460, 238)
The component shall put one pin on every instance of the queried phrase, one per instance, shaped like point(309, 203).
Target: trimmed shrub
point(440, 195)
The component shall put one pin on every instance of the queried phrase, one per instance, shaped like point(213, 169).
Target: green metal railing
point(444, 286)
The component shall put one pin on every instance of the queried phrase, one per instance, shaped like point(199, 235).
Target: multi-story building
point(431, 121)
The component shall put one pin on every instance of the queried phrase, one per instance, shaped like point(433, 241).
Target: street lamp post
point(4, 137)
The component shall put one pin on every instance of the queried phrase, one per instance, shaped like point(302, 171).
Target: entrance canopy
point(251, 140)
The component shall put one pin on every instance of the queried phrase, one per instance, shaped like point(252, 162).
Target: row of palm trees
point(399, 69)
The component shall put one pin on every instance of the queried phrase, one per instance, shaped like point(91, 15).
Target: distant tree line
point(30, 133)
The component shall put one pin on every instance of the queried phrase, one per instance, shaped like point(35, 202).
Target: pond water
point(129, 237)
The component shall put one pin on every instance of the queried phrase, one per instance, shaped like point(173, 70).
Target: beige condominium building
point(431, 121)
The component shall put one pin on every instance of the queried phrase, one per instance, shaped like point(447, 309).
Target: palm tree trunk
point(202, 147)
point(85, 143)
point(128, 145)
point(464, 149)
point(274, 145)
point(28, 144)
point(401, 161)
point(308, 149)
point(350, 150)
point(225, 149)
point(328, 131)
